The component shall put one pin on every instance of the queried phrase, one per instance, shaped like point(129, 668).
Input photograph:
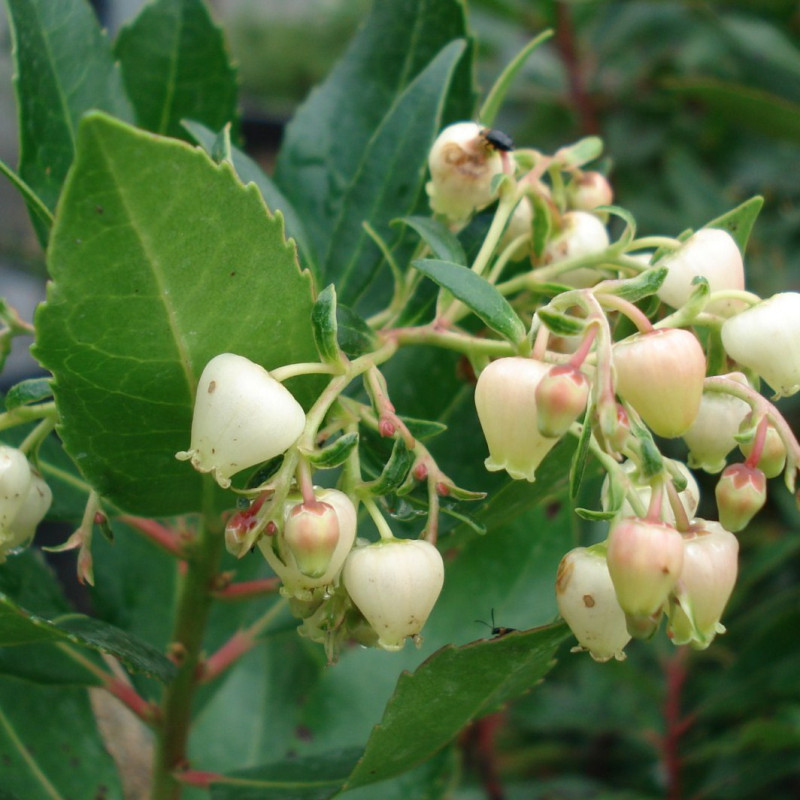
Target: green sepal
point(441, 240)
point(423, 429)
point(27, 392)
point(354, 335)
point(652, 462)
point(394, 473)
point(645, 284)
point(465, 495)
point(577, 466)
point(561, 324)
point(476, 293)
point(629, 232)
point(541, 225)
point(325, 326)
point(334, 454)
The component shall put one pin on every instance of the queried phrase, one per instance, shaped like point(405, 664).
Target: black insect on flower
point(497, 139)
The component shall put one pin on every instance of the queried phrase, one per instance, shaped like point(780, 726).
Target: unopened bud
point(589, 191)
point(708, 575)
point(561, 398)
point(582, 234)
point(741, 493)
point(311, 534)
point(588, 603)
point(644, 559)
point(661, 375)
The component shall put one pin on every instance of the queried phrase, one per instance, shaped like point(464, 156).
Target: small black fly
point(497, 139)
point(496, 631)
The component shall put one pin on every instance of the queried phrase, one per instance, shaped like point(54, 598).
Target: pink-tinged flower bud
point(561, 398)
point(589, 191)
point(242, 416)
point(581, 234)
point(711, 436)
point(505, 398)
point(311, 534)
point(645, 560)
point(660, 373)
point(710, 564)
point(588, 603)
point(281, 554)
point(764, 338)
point(462, 164)
point(741, 493)
point(394, 583)
point(711, 253)
point(689, 496)
point(773, 454)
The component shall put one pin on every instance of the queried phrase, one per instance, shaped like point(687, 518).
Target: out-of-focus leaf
point(175, 65)
point(33, 390)
point(441, 240)
point(325, 325)
point(739, 221)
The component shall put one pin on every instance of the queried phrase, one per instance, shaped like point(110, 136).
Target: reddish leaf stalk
point(166, 538)
point(128, 696)
point(195, 777)
point(240, 643)
point(247, 590)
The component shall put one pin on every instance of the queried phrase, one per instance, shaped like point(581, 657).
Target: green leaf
point(420, 718)
point(325, 326)
point(629, 232)
point(643, 285)
point(250, 172)
point(127, 318)
point(44, 217)
point(306, 778)
point(389, 178)
point(739, 221)
point(324, 144)
point(64, 67)
point(423, 429)
point(494, 100)
point(441, 240)
point(355, 335)
point(50, 747)
point(476, 293)
point(578, 465)
point(594, 516)
point(175, 64)
point(20, 627)
point(32, 390)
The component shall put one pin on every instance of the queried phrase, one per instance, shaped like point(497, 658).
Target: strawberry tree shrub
point(308, 427)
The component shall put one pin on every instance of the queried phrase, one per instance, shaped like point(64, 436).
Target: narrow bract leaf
point(739, 221)
point(388, 181)
point(441, 240)
point(63, 68)
point(561, 324)
point(477, 294)
point(423, 429)
point(334, 454)
point(643, 285)
point(581, 152)
point(355, 335)
point(175, 65)
point(20, 627)
point(420, 718)
point(628, 234)
point(250, 172)
point(151, 280)
point(33, 390)
point(593, 516)
point(323, 146)
point(395, 471)
point(325, 326)
point(578, 465)
point(494, 100)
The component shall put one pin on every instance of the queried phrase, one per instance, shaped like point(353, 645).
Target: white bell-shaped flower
point(15, 480)
point(711, 253)
point(581, 234)
point(588, 603)
point(766, 339)
point(394, 583)
point(242, 416)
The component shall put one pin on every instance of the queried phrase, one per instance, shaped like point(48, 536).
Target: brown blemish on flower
point(588, 601)
point(564, 575)
point(211, 387)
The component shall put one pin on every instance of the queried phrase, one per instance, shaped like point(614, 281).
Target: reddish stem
point(482, 748)
point(586, 345)
point(246, 590)
point(758, 444)
point(675, 724)
point(128, 696)
point(196, 777)
point(166, 538)
point(240, 643)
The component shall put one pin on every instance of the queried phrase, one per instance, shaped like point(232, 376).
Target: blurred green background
point(699, 105)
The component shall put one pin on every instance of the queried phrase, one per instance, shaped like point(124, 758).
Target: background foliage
point(699, 109)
